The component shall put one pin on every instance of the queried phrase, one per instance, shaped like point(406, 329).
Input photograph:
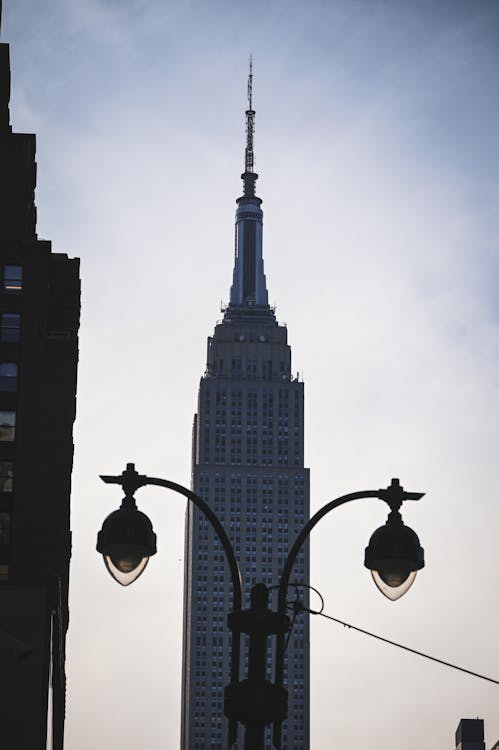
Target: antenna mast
point(250, 122)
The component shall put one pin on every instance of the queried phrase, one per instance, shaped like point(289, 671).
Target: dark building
point(470, 735)
point(248, 463)
point(39, 319)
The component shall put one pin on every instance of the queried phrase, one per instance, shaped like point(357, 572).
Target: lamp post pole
point(127, 540)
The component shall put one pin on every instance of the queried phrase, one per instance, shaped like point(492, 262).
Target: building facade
point(248, 464)
point(470, 735)
point(39, 319)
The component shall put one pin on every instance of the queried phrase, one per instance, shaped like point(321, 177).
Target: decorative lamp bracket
point(395, 495)
point(130, 480)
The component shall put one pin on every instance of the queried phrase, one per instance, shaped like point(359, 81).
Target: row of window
point(236, 477)
point(280, 484)
point(268, 394)
point(252, 370)
point(236, 452)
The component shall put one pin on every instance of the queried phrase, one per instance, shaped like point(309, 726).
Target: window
point(10, 325)
point(8, 376)
point(267, 369)
point(251, 368)
point(6, 476)
point(235, 367)
point(13, 279)
point(7, 426)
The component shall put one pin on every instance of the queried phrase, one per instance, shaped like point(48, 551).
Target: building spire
point(248, 293)
point(250, 122)
point(249, 176)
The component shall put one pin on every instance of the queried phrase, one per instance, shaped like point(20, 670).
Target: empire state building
point(248, 464)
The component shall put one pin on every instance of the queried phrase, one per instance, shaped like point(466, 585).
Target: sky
point(376, 144)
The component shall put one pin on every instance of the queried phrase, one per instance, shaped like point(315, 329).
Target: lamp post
point(127, 540)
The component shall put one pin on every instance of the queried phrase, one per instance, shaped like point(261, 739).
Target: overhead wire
point(406, 648)
point(297, 607)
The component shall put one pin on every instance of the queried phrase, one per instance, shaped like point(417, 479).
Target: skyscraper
point(248, 464)
point(39, 319)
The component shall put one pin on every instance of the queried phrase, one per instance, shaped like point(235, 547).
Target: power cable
point(297, 607)
point(405, 648)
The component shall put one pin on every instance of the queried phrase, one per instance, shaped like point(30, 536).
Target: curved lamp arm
point(394, 495)
point(303, 535)
point(131, 481)
point(235, 573)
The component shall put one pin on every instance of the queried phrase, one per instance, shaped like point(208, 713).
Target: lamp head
point(394, 555)
point(126, 542)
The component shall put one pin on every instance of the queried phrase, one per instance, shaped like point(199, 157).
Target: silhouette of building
point(39, 318)
point(470, 735)
point(248, 463)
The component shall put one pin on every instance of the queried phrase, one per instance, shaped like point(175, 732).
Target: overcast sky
point(377, 147)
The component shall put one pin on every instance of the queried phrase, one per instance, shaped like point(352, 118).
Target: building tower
point(470, 735)
point(248, 463)
point(39, 318)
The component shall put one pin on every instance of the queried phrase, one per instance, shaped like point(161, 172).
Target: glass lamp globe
point(394, 555)
point(393, 583)
point(126, 565)
point(126, 542)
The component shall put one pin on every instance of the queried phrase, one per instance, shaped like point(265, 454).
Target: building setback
point(39, 319)
point(248, 464)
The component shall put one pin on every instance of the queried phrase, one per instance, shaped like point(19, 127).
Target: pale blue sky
point(376, 143)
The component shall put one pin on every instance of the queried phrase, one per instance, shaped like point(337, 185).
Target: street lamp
point(126, 541)
point(393, 555)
